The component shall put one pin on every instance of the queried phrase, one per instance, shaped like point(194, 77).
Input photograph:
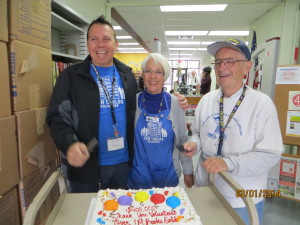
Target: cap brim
point(215, 47)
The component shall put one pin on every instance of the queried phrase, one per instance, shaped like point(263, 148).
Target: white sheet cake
point(144, 207)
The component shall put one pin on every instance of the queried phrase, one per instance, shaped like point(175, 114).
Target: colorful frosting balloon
point(125, 200)
point(173, 202)
point(111, 205)
point(141, 196)
point(157, 198)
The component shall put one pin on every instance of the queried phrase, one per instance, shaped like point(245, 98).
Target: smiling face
point(231, 79)
point(153, 77)
point(101, 44)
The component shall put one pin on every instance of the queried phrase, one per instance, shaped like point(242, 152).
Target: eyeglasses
point(157, 72)
point(229, 63)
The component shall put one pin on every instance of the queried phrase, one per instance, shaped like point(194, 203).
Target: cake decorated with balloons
point(144, 207)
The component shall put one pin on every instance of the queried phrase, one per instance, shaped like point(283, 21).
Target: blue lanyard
point(221, 112)
point(108, 97)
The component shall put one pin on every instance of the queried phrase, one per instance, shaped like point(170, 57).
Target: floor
point(280, 211)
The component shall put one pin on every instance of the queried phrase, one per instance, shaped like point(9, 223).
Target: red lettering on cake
point(118, 222)
point(141, 215)
point(119, 215)
point(163, 213)
point(171, 219)
point(155, 221)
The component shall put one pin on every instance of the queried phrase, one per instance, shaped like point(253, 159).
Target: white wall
point(281, 21)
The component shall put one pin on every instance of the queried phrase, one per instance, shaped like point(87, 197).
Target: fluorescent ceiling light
point(206, 42)
point(124, 37)
point(180, 58)
point(201, 49)
point(193, 8)
point(133, 51)
point(180, 54)
point(183, 42)
point(183, 49)
point(117, 28)
point(177, 33)
point(120, 49)
point(129, 43)
point(229, 33)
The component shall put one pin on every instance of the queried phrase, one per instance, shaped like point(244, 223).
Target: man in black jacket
point(95, 98)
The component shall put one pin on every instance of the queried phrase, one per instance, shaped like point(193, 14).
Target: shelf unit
point(68, 33)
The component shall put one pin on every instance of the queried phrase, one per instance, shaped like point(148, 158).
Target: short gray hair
point(158, 58)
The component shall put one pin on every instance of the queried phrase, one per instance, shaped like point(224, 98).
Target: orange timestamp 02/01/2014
point(254, 193)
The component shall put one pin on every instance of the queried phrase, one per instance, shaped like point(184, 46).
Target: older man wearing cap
point(159, 127)
point(236, 129)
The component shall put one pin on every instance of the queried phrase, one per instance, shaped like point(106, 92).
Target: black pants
point(113, 177)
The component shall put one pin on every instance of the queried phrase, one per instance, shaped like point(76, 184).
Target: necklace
point(160, 105)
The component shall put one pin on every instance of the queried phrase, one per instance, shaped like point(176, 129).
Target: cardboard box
point(35, 144)
point(30, 185)
point(9, 168)
point(9, 208)
point(5, 103)
point(3, 21)
point(31, 75)
point(30, 22)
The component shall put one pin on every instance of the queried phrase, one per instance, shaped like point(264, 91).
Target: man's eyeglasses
point(149, 72)
point(229, 63)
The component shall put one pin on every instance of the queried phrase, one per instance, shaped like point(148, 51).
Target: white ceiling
point(149, 22)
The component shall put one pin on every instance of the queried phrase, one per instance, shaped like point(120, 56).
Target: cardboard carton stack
point(27, 152)
point(9, 170)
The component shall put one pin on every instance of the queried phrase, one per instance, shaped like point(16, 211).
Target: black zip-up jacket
point(73, 114)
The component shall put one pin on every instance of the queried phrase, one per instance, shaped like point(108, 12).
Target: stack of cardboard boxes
point(28, 155)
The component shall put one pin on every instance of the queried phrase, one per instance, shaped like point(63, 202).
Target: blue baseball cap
point(230, 43)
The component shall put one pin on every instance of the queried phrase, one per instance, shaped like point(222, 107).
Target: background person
point(159, 127)
point(236, 128)
point(194, 79)
point(205, 80)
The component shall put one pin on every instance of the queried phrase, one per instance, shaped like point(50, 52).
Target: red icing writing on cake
point(164, 220)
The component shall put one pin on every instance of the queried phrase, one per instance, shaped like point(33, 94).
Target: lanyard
point(221, 111)
point(108, 97)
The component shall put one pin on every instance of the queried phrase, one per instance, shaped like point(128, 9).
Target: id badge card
point(115, 143)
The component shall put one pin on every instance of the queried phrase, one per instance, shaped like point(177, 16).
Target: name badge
point(152, 119)
point(115, 144)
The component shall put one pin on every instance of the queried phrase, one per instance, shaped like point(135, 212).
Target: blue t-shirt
point(106, 130)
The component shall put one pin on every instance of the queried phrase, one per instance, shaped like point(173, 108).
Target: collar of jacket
point(123, 69)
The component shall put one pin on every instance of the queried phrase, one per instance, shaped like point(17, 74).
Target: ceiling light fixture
point(206, 42)
point(186, 49)
point(229, 33)
point(186, 37)
point(126, 49)
point(178, 33)
point(133, 51)
point(180, 54)
point(183, 42)
point(128, 43)
point(117, 28)
point(124, 37)
point(193, 8)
